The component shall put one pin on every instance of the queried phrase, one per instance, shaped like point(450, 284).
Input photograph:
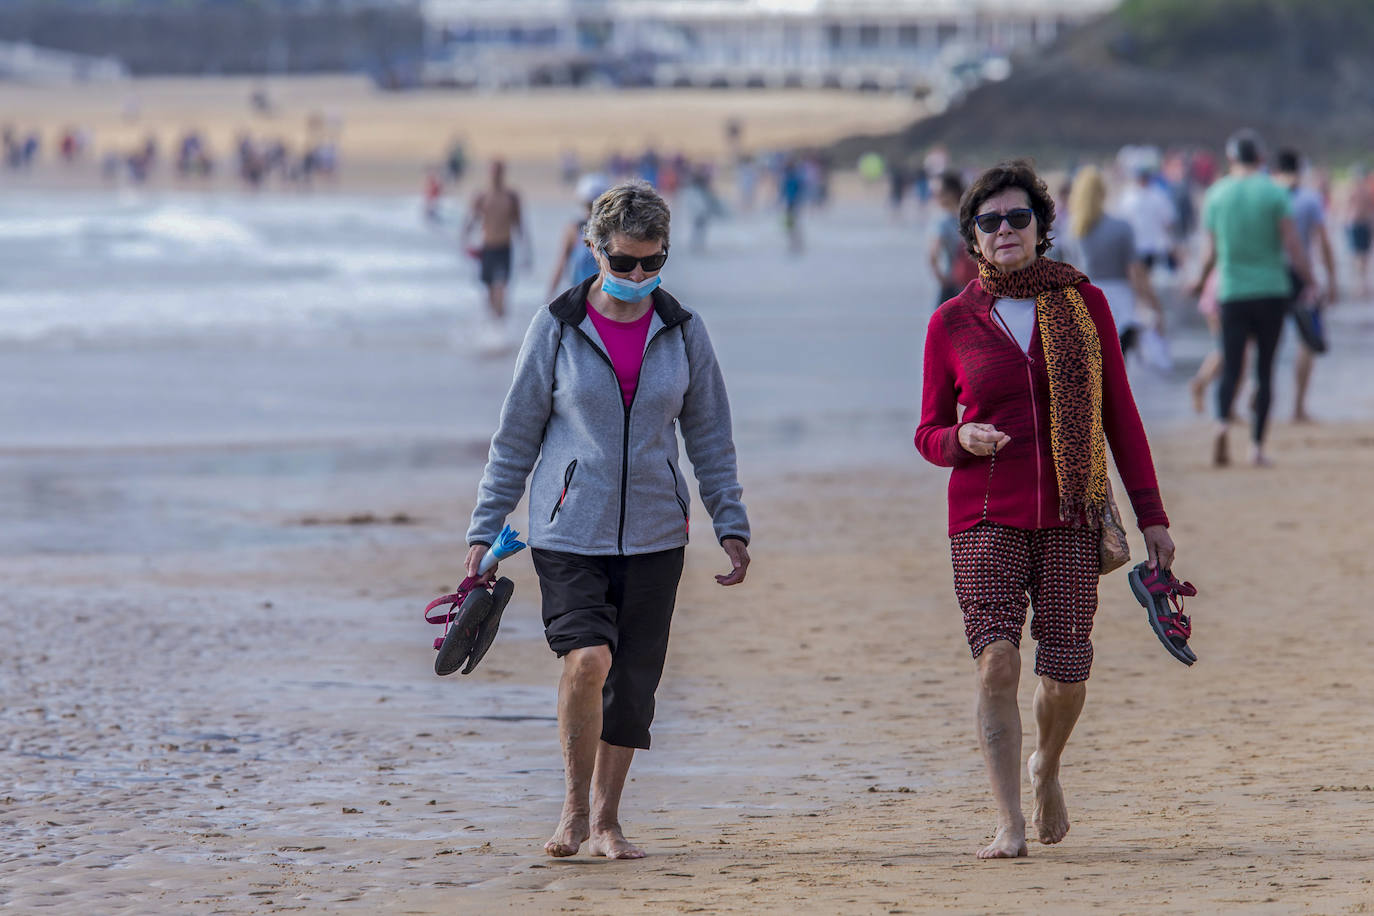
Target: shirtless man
point(497, 210)
point(1309, 219)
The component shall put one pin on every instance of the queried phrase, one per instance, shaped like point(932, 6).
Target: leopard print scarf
point(1073, 359)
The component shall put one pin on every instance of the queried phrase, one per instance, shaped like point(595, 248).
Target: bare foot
point(1302, 418)
point(1009, 843)
point(1049, 813)
point(610, 842)
point(568, 838)
point(1221, 454)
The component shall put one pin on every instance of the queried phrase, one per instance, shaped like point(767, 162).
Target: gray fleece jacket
point(607, 480)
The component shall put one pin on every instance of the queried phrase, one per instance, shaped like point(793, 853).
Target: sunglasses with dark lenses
point(624, 263)
point(1019, 218)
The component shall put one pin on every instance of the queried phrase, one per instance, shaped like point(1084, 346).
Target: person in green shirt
point(1248, 230)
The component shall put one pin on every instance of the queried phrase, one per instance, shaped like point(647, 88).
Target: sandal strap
point(454, 600)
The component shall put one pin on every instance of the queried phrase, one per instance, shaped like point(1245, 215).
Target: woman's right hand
point(475, 554)
point(982, 439)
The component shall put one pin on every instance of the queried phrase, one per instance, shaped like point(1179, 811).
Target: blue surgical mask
point(627, 290)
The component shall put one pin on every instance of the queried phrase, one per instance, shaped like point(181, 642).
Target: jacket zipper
point(1035, 406)
point(625, 435)
point(681, 504)
point(1035, 419)
point(567, 482)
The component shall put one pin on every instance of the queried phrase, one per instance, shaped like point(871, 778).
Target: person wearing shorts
point(1030, 353)
point(496, 210)
point(607, 375)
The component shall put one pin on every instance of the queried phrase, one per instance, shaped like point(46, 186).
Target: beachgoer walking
point(792, 194)
point(1104, 248)
point(702, 205)
point(1029, 353)
point(576, 261)
point(1210, 310)
point(1309, 219)
point(497, 211)
point(949, 257)
point(1248, 225)
point(608, 374)
point(1151, 212)
point(1360, 226)
point(433, 196)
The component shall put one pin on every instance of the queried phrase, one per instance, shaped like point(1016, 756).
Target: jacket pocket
point(681, 503)
point(567, 482)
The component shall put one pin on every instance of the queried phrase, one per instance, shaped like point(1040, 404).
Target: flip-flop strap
point(454, 600)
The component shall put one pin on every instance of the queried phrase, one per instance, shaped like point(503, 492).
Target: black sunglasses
point(624, 263)
point(1019, 218)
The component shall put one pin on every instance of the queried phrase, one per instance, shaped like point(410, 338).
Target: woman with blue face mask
point(607, 374)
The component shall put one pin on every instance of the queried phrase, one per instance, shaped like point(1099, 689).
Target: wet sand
point(258, 730)
point(217, 691)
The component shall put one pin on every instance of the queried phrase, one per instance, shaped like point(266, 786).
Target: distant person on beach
point(1248, 229)
point(1360, 226)
point(949, 258)
point(792, 195)
point(433, 196)
point(456, 162)
point(1104, 248)
point(497, 211)
point(1029, 354)
point(607, 376)
point(1210, 310)
point(576, 261)
point(702, 206)
point(897, 182)
point(1150, 210)
point(1309, 219)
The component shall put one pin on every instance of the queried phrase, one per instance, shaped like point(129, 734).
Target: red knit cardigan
point(971, 360)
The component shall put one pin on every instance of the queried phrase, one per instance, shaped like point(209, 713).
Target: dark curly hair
point(1018, 173)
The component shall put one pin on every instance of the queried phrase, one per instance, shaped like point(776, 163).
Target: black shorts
point(625, 603)
point(1359, 237)
point(496, 265)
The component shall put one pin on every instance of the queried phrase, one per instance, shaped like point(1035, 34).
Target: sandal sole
point(501, 594)
point(463, 632)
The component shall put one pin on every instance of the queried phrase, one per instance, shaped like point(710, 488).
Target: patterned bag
point(1114, 549)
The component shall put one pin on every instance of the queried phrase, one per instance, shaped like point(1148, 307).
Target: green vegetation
point(1173, 32)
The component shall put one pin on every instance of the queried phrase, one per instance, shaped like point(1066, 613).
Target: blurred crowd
point(254, 159)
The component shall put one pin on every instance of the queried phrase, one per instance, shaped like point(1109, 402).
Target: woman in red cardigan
point(1020, 399)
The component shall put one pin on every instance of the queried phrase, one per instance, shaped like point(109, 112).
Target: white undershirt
point(1019, 317)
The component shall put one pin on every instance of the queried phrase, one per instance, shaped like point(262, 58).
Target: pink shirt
point(624, 342)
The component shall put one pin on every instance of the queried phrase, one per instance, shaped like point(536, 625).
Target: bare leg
point(999, 737)
point(1206, 374)
point(579, 731)
point(1302, 374)
point(1211, 366)
point(496, 298)
point(612, 765)
point(1057, 706)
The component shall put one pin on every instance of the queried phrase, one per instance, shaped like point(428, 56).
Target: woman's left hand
point(1159, 547)
point(738, 553)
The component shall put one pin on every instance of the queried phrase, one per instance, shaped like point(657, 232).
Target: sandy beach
point(259, 731)
point(387, 139)
point(217, 692)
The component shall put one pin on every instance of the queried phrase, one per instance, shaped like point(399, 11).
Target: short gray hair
point(632, 208)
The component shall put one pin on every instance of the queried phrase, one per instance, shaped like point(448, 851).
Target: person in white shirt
point(1152, 215)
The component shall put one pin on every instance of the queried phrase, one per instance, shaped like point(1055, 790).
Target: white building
point(887, 44)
